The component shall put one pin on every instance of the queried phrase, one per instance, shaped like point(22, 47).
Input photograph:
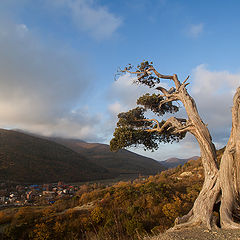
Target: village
point(28, 195)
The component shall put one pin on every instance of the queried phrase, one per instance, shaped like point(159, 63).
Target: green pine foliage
point(132, 125)
point(131, 128)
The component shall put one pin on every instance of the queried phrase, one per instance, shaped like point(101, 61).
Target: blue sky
point(58, 60)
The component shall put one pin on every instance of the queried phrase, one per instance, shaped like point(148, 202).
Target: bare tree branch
point(163, 90)
point(185, 79)
point(178, 124)
point(148, 72)
point(133, 72)
point(159, 74)
point(152, 120)
point(168, 99)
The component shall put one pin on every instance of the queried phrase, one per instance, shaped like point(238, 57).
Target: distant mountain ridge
point(174, 162)
point(28, 158)
point(121, 162)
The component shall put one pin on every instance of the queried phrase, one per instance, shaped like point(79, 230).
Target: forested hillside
point(121, 162)
point(28, 159)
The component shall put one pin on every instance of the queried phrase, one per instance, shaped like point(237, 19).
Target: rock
point(186, 174)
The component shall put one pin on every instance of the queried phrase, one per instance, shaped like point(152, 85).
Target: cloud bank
point(42, 87)
point(213, 92)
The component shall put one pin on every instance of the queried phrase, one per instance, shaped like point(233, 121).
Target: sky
point(58, 60)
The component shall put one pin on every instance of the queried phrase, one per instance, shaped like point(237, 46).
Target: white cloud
point(79, 124)
point(213, 82)
point(213, 92)
point(184, 149)
point(126, 92)
point(115, 108)
point(42, 87)
point(22, 29)
point(91, 17)
point(195, 30)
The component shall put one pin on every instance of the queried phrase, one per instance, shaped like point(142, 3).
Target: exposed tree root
point(183, 219)
point(191, 223)
point(227, 221)
point(229, 224)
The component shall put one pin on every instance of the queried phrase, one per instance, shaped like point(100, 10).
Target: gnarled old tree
point(222, 183)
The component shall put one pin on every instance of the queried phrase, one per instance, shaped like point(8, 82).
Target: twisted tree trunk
point(202, 210)
point(220, 184)
point(230, 171)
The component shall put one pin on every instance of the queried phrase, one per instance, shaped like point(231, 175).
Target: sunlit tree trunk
point(202, 211)
point(220, 184)
point(230, 171)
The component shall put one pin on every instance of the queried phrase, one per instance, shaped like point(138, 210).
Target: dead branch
point(185, 79)
point(153, 120)
point(178, 125)
point(159, 75)
point(163, 90)
point(171, 98)
point(149, 71)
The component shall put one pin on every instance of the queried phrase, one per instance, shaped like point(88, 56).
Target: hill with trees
point(128, 210)
point(28, 159)
point(121, 162)
point(124, 210)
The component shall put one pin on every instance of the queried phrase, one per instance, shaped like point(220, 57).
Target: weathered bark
point(230, 170)
point(202, 210)
point(219, 185)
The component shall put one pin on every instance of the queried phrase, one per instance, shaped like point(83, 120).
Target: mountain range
point(27, 158)
point(174, 162)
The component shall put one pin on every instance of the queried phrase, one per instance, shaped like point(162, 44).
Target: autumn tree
point(221, 184)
